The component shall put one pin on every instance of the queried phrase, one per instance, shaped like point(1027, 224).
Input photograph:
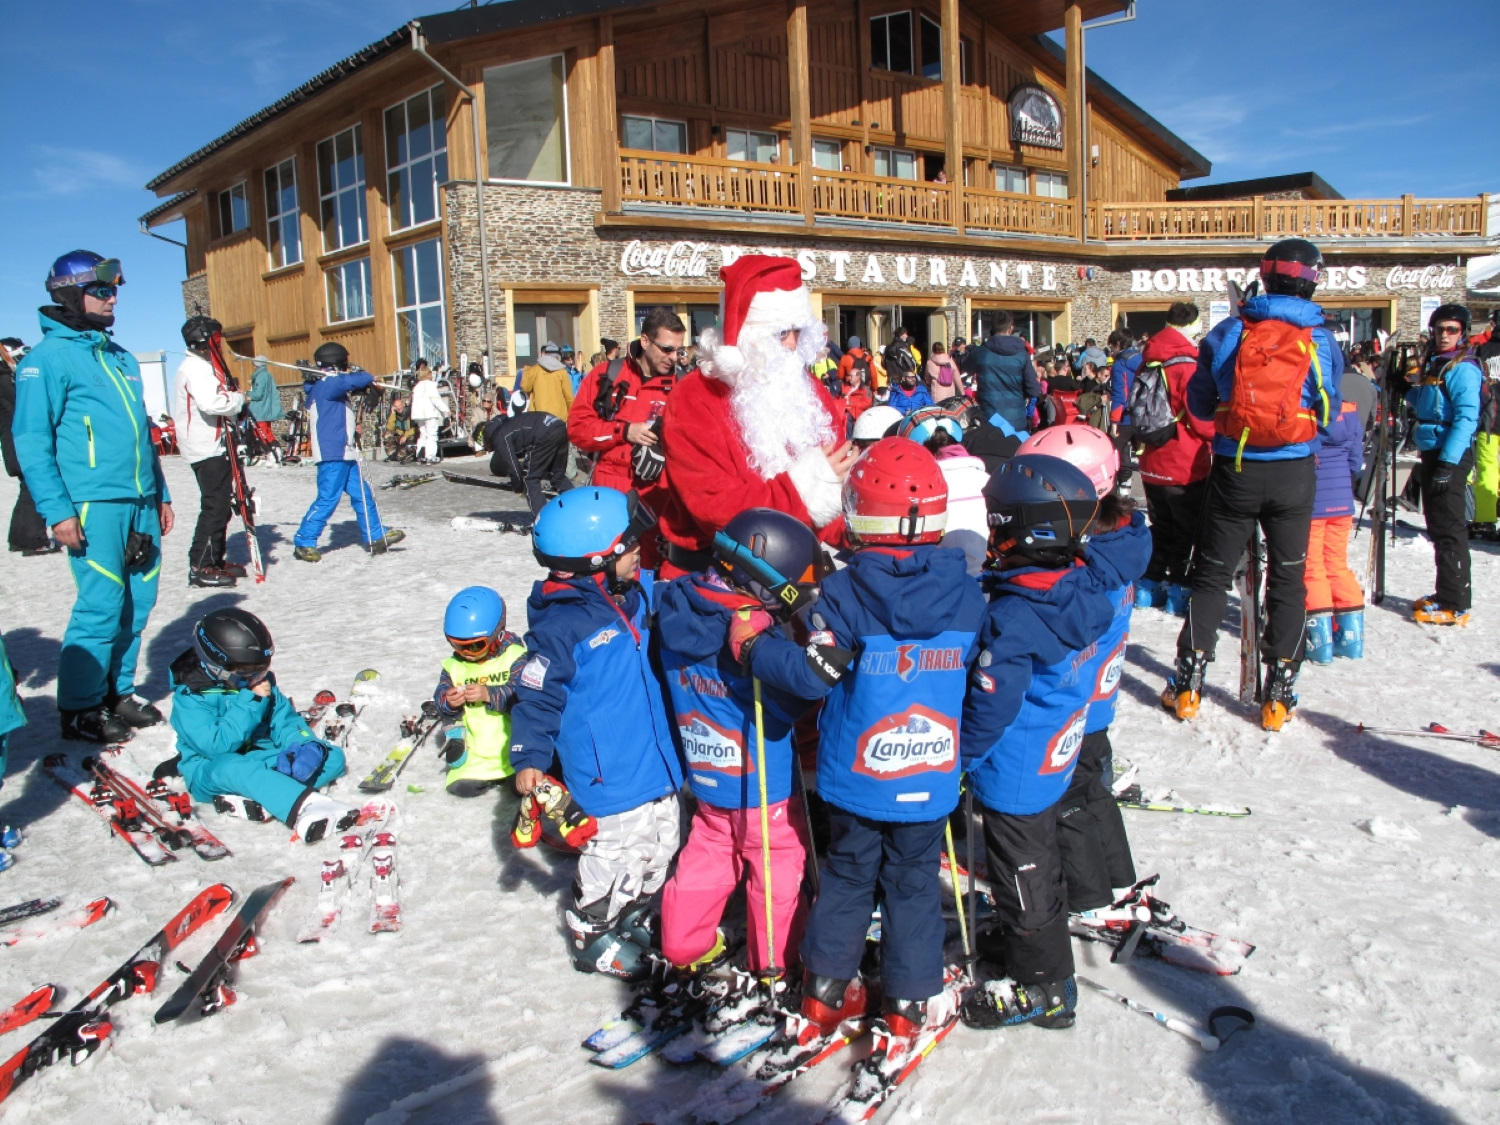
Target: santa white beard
point(773, 400)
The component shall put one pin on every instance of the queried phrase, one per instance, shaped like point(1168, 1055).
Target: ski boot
point(1320, 638)
point(1280, 699)
point(94, 724)
point(599, 947)
point(134, 710)
point(209, 577)
point(233, 804)
point(641, 923)
point(1434, 613)
point(316, 816)
point(895, 1032)
point(1184, 691)
point(826, 1001)
point(747, 996)
point(1149, 593)
point(1349, 634)
point(234, 570)
point(1004, 1003)
point(477, 771)
point(307, 554)
point(1177, 599)
point(387, 541)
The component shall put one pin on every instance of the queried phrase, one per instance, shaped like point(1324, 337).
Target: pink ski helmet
point(1082, 446)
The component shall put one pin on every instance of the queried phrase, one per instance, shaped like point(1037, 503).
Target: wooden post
point(1406, 216)
point(798, 70)
point(609, 120)
point(1258, 215)
point(1073, 125)
point(862, 38)
point(953, 121)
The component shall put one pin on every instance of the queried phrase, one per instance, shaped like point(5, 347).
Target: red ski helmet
point(896, 493)
point(1082, 446)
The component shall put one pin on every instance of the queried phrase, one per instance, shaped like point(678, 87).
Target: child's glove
point(302, 761)
point(576, 826)
point(744, 627)
point(528, 830)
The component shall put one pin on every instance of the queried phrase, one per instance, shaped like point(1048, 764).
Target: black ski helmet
point(1040, 507)
point(774, 556)
point(1293, 266)
point(198, 329)
point(331, 355)
point(231, 643)
point(1450, 311)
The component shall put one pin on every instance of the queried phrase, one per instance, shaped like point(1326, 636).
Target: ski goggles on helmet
point(780, 594)
point(241, 677)
point(475, 648)
point(1288, 268)
point(107, 272)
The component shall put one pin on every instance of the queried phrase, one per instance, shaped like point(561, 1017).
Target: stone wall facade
point(547, 237)
point(195, 296)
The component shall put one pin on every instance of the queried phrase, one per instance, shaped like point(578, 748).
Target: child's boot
point(1320, 638)
point(598, 947)
point(316, 816)
point(1349, 634)
point(474, 771)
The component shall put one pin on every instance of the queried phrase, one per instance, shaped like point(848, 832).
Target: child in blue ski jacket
point(241, 743)
point(759, 554)
point(893, 635)
point(588, 695)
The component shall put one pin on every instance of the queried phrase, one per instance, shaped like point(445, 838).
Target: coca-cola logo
point(680, 259)
point(709, 746)
point(1424, 277)
point(1064, 747)
point(1110, 672)
point(918, 740)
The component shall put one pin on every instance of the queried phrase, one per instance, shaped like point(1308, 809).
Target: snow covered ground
point(1368, 877)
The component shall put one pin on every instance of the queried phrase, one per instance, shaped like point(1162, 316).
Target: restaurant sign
point(1035, 118)
point(1335, 278)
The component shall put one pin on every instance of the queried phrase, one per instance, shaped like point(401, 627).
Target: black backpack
point(862, 369)
point(1150, 404)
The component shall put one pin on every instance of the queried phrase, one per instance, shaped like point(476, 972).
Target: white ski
point(385, 888)
point(337, 875)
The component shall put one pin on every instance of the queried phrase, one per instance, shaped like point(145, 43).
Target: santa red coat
point(709, 478)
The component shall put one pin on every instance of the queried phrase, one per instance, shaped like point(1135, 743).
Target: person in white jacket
point(968, 520)
point(427, 412)
point(203, 406)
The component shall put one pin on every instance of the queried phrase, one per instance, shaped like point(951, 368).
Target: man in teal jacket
point(85, 449)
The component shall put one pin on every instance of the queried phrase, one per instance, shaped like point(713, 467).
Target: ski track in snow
point(1367, 878)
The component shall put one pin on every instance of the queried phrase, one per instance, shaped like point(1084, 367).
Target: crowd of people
point(900, 572)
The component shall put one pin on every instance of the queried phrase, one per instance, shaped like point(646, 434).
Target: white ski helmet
point(476, 380)
point(874, 422)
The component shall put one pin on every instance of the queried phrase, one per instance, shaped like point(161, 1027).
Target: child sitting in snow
point(239, 737)
point(474, 687)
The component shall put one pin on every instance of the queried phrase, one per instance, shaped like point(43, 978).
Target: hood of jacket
point(549, 363)
point(908, 588)
point(1121, 556)
point(1006, 345)
point(691, 617)
point(1167, 344)
point(583, 590)
point(56, 327)
point(187, 672)
point(1283, 307)
point(1053, 600)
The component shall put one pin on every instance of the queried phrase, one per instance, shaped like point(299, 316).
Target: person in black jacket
point(530, 448)
point(1005, 375)
point(28, 531)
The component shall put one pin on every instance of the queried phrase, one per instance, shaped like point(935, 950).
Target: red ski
point(173, 808)
point(25, 1010)
point(117, 810)
point(79, 919)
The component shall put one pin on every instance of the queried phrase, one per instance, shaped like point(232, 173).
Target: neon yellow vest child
point(486, 734)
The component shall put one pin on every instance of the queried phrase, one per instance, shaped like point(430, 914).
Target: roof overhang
point(167, 210)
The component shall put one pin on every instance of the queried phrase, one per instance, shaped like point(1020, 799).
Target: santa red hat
point(763, 296)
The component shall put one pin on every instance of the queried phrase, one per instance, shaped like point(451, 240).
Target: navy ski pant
point(896, 866)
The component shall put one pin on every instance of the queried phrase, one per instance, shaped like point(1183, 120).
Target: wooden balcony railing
point(705, 182)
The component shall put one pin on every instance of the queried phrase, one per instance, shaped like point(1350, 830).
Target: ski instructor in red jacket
point(752, 428)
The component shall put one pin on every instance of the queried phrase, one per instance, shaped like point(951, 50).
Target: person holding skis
point(765, 562)
point(474, 688)
point(84, 443)
point(239, 737)
point(1268, 379)
point(587, 693)
point(332, 427)
point(1446, 403)
point(892, 637)
point(204, 407)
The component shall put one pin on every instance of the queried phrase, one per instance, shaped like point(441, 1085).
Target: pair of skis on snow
point(372, 840)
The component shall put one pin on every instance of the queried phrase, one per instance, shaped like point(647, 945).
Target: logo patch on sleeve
point(534, 672)
point(708, 746)
point(918, 740)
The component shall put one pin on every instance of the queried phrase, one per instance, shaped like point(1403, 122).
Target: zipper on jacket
point(127, 398)
point(88, 424)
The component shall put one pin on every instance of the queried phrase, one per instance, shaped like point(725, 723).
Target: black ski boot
point(93, 724)
point(209, 577)
point(1004, 1003)
point(1280, 699)
point(134, 710)
point(1184, 691)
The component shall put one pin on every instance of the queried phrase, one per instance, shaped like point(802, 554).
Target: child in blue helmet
point(587, 694)
point(474, 689)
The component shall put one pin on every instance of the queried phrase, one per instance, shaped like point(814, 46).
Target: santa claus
point(752, 428)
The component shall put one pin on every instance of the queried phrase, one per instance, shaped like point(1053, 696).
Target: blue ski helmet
point(84, 267)
point(474, 613)
point(1040, 506)
point(585, 529)
point(920, 425)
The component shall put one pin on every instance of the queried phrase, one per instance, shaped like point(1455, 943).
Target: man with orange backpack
point(1269, 380)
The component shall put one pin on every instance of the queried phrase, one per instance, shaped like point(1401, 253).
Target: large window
point(746, 144)
point(349, 291)
point(898, 162)
point(283, 223)
point(932, 49)
point(234, 210)
point(525, 110)
point(416, 157)
point(828, 155)
point(654, 134)
point(1053, 184)
point(421, 330)
point(341, 189)
point(1010, 178)
point(890, 42)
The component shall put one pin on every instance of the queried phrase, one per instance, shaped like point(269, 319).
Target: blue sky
point(104, 94)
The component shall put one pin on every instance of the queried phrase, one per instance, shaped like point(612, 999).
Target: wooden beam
point(799, 71)
point(1073, 140)
point(609, 119)
point(862, 43)
point(953, 122)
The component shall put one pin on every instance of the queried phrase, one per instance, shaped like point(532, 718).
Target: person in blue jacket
point(12, 718)
point(765, 563)
point(587, 693)
point(331, 422)
point(1270, 481)
point(892, 637)
point(1447, 408)
point(1004, 374)
point(84, 442)
point(238, 737)
point(1335, 600)
point(908, 395)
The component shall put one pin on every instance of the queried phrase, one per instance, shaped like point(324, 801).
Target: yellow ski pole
point(765, 838)
point(958, 898)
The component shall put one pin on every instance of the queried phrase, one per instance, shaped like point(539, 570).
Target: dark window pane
point(419, 127)
point(638, 133)
point(397, 192)
point(525, 134)
point(429, 288)
point(423, 195)
point(880, 53)
point(440, 172)
point(325, 167)
point(395, 136)
point(406, 284)
point(900, 30)
point(932, 49)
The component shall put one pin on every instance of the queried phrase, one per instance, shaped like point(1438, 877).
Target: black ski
point(460, 478)
point(28, 909)
point(209, 981)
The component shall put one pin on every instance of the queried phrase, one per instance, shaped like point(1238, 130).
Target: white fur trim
point(818, 485)
point(717, 359)
point(776, 310)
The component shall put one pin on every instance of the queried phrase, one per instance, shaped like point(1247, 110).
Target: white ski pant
point(427, 438)
point(627, 859)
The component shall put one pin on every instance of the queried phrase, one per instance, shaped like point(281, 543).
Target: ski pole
point(1489, 740)
point(958, 897)
point(812, 850)
point(969, 847)
point(1172, 1023)
point(765, 832)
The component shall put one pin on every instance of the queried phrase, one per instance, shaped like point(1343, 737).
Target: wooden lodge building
point(927, 161)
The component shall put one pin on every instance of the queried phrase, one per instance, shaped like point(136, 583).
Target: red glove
point(527, 832)
point(744, 627)
point(575, 825)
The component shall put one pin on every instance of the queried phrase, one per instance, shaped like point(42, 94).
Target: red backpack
point(1265, 408)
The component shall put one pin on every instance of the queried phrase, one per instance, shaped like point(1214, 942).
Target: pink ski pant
point(723, 847)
